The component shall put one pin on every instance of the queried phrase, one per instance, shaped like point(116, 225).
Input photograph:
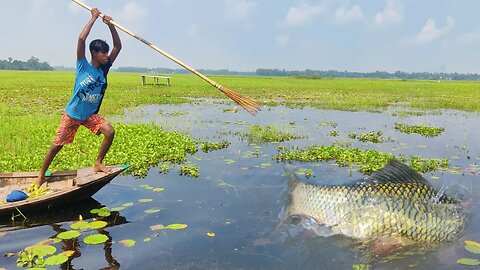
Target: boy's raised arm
point(85, 32)
point(117, 44)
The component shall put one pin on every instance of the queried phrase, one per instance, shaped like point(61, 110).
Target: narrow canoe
point(65, 187)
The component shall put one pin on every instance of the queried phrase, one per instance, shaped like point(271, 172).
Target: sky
point(243, 35)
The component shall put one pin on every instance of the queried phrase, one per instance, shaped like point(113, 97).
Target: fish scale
point(395, 201)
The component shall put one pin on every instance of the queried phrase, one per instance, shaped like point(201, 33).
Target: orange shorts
point(69, 126)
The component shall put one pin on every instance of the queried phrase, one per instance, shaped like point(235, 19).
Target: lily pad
point(98, 224)
point(151, 211)
point(468, 261)
point(148, 239)
point(128, 204)
point(49, 241)
point(473, 249)
point(145, 200)
point(56, 260)
point(79, 225)
point(104, 214)
point(69, 235)
point(229, 161)
point(472, 243)
point(118, 208)
point(67, 253)
point(210, 234)
point(159, 189)
point(157, 227)
point(95, 239)
point(101, 212)
point(127, 243)
point(41, 250)
point(98, 210)
point(176, 226)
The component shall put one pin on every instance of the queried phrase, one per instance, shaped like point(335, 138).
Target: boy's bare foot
point(98, 167)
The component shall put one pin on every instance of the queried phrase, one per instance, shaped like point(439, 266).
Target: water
point(239, 197)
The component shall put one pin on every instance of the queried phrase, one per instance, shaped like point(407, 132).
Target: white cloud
point(391, 14)
point(343, 15)
point(239, 9)
point(430, 31)
point(282, 39)
point(300, 14)
point(193, 30)
point(133, 11)
point(74, 8)
point(471, 37)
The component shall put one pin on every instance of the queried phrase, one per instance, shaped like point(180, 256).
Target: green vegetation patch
point(190, 170)
point(211, 146)
point(372, 136)
point(268, 134)
point(425, 131)
point(141, 145)
point(368, 161)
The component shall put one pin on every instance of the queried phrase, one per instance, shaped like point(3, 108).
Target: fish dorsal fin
point(397, 172)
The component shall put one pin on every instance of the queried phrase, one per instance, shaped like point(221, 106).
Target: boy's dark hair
point(99, 45)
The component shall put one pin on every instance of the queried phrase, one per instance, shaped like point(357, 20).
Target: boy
point(88, 91)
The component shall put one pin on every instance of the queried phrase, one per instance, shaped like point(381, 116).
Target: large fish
point(394, 202)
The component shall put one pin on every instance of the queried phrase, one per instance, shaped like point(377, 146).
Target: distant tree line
point(315, 74)
point(31, 64)
point(182, 71)
point(377, 74)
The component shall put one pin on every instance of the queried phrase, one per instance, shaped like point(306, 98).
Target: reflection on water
point(241, 192)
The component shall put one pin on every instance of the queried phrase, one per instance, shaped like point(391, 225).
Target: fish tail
point(293, 182)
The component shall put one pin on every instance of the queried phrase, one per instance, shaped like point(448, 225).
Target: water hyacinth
point(369, 161)
point(141, 145)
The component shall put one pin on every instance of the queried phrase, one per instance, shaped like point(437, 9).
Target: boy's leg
point(51, 153)
point(108, 135)
point(97, 125)
point(65, 135)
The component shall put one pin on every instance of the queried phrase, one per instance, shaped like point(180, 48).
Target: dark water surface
point(239, 197)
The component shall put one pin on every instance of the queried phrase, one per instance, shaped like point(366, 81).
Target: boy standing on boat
point(88, 91)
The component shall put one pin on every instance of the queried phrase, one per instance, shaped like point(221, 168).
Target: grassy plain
point(31, 104)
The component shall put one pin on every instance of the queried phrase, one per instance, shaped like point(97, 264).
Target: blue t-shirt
point(88, 91)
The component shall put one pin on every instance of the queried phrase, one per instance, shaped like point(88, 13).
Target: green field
point(31, 104)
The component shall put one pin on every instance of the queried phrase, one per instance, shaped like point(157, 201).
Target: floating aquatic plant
point(98, 224)
point(327, 123)
point(95, 239)
point(212, 146)
point(189, 170)
point(372, 136)
point(268, 134)
point(127, 243)
point(79, 225)
point(56, 260)
point(68, 235)
point(151, 211)
point(32, 256)
point(368, 160)
point(425, 131)
point(168, 227)
point(101, 212)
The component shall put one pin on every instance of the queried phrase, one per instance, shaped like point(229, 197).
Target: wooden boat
point(65, 187)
